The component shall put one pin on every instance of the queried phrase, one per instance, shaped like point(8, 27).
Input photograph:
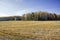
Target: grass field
point(29, 30)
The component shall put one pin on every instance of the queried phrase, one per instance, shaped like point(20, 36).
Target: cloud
point(19, 0)
point(24, 11)
point(16, 0)
point(3, 15)
point(6, 8)
point(21, 12)
point(15, 13)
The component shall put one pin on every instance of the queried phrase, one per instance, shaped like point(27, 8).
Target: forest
point(33, 16)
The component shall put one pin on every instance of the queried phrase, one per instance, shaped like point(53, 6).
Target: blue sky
point(19, 7)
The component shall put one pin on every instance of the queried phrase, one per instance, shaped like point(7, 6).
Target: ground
point(29, 30)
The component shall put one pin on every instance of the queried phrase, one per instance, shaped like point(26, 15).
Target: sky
point(20, 7)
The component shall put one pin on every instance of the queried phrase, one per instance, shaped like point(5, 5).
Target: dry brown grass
point(30, 30)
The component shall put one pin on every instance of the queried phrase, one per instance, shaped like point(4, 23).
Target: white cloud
point(15, 13)
point(11, 9)
point(21, 12)
point(6, 8)
point(3, 15)
point(24, 11)
point(19, 0)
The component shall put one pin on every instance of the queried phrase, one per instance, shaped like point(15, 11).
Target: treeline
point(11, 18)
point(34, 16)
point(37, 16)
